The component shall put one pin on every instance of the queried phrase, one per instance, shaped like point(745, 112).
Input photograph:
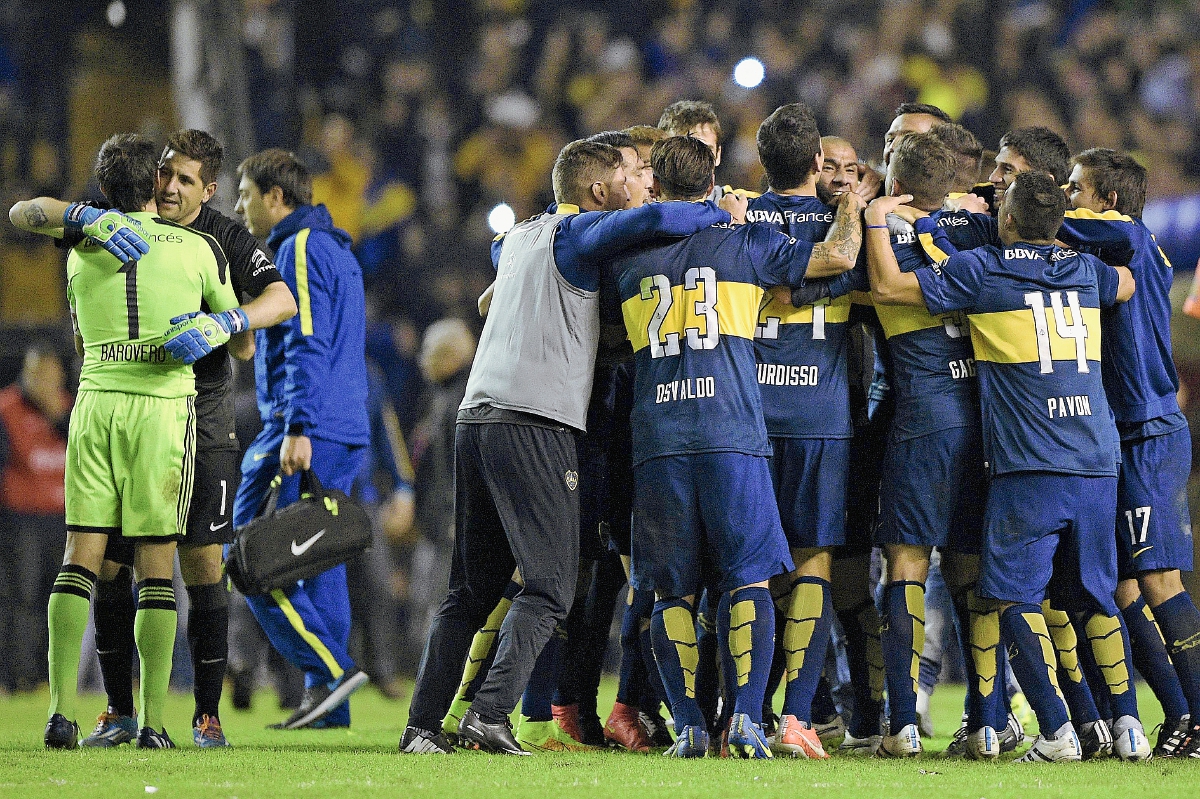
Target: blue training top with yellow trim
point(801, 351)
point(1139, 372)
point(690, 307)
point(1035, 327)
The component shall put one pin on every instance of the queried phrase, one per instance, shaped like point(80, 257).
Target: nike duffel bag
point(320, 530)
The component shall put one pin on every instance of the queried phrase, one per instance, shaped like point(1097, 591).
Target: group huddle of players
point(1018, 414)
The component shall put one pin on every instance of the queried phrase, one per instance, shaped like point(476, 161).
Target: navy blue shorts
point(1051, 533)
point(933, 491)
point(714, 504)
point(1154, 529)
point(809, 476)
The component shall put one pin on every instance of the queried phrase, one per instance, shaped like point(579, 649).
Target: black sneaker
point(320, 700)
point(656, 725)
point(1191, 747)
point(423, 742)
point(60, 733)
point(475, 733)
point(1095, 739)
point(148, 738)
point(1172, 737)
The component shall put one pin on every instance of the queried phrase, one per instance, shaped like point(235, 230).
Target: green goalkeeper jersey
point(121, 311)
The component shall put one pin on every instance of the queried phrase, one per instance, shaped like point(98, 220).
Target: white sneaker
point(905, 743)
point(924, 717)
point(831, 731)
point(983, 744)
point(1129, 740)
point(864, 747)
point(1063, 747)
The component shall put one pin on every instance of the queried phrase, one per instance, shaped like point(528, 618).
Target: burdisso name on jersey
point(778, 374)
point(787, 217)
point(141, 353)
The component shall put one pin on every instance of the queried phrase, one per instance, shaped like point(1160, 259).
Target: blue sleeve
point(1107, 281)
point(497, 246)
point(779, 259)
point(584, 241)
point(934, 241)
point(812, 291)
point(308, 336)
point(953, 285)
point(1112, 240)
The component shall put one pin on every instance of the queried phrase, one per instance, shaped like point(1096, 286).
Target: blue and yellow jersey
point(690, 307)
point(1139, 373)
point(932, 365)
point(1035, 328)
point(802, 351)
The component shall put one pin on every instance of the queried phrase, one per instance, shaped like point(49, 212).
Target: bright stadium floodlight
point(502, 218)
point(116, 13)
point(748, 73)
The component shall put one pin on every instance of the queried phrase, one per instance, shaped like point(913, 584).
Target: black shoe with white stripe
point(417, 741)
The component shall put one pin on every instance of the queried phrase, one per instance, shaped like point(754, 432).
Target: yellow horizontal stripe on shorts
point(835, 311)
point(1010, 337)
point(306, 325)
point(899, 319)
point(309, 637)
point(736, 307)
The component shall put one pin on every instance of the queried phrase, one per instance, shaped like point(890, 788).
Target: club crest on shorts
point(572, 478)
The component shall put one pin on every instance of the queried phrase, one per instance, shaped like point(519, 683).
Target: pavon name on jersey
point(1077, 405)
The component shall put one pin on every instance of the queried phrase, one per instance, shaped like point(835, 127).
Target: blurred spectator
point(446, 354)
point(34, 413)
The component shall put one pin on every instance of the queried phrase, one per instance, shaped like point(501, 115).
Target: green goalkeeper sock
point(154, 632)
point(67, 617)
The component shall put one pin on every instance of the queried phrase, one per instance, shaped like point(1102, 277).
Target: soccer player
point(1107, 189)
point(131, 446)
point(185, 183)
point(517, 468)
point(935, 441)
point(1048, 437)
point(1024, 149)
point(689, 307)
point(839, 168)
point(312, 397)
point(801, 354)
point(911, 118)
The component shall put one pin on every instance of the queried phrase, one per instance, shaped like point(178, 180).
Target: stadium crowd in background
point(411, 145)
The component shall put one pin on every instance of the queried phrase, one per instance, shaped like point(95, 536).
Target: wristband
point(876, 227)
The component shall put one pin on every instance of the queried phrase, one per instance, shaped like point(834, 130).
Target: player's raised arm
point(839, 251)
point(889, 286)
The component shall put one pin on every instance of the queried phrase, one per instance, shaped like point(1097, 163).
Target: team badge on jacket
point(572, 478)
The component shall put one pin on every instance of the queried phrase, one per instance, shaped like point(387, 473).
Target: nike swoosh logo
point(300, 549)
point(1191, 642)
point(1143, 549)
point(258, 456)
point(215, 527)
point(210, 662)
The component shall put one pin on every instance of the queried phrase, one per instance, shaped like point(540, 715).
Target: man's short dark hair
point(613, 138)
point(682, 115)
point(1036, 203)
point(968, 153)
point(921, 108)
point(1111, 171)
point(276, 167)
point(683, 167)
point(788, 143)
point(1044, 149)
point(125, 168)
point(925, 168)
point(198, 145)
point(580, 164)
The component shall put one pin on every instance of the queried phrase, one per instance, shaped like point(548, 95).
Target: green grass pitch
point(363, 763)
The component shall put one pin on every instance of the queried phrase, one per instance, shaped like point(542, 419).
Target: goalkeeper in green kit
point(131, 445)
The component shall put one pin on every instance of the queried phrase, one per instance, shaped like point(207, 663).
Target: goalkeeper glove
point(192, 336)
point(112, 230)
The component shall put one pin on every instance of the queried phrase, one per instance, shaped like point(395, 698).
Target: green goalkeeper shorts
point(130, 459)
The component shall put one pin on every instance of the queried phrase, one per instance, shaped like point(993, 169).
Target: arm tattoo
point(35, 216)
point(847, 235)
